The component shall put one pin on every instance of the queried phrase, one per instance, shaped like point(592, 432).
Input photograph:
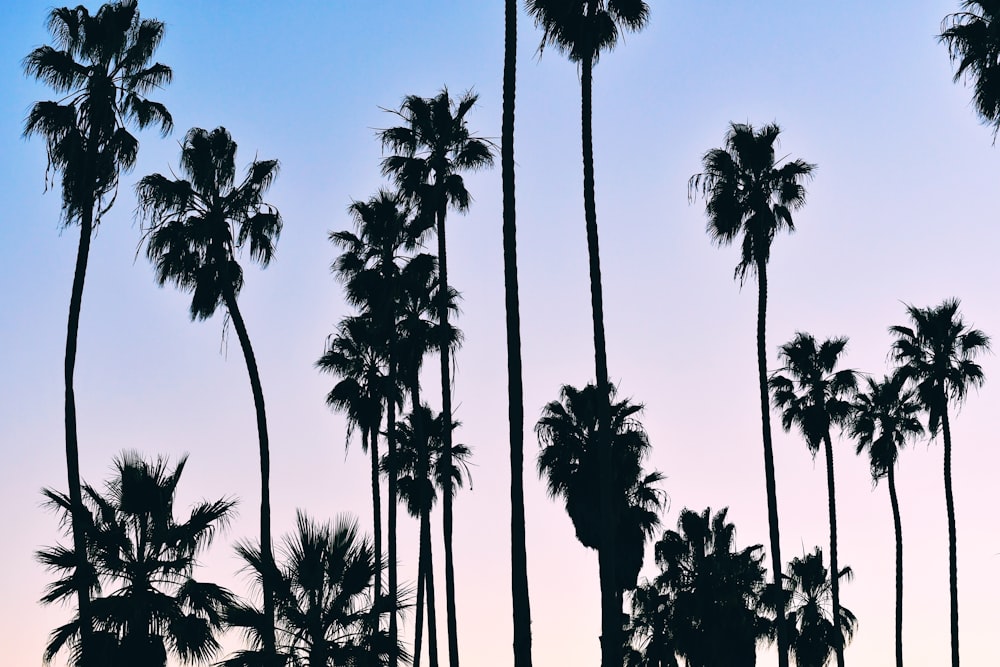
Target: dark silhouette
point(814, 397)
point(814, 635)
point(195, 228)
point(973, 39)
point(429, 152)
point(99, 64)
point(748, 193)
point(884, 417)
point(582, 29)
point(148, 602)
point(936, 354)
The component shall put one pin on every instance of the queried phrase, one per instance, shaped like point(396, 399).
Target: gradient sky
point(902, 210)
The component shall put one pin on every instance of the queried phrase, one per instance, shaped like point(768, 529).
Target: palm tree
point(814, 397)
point(747, 192)
point(429, 151)
point(814, 633)
point(884, 418)
point(195, 228)
point(147, 558)
point(936, 354)
point(100, 67)
point(582, 29)
point(973, 39)
point(327, 612)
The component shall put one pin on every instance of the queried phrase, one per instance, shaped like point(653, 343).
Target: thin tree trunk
point(83, 575)
point(952, 536)
point(834, 567)
point(432, 643)
point(515, 390)
point(898, 526)
point(267, 554)
point(393, 502)
point(372, 436)
point(772, 493)
point(419, 631)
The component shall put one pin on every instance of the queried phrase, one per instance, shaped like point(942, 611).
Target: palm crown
point(884, 417)
point(814, 633)
point(582, 29)
point(973, 39)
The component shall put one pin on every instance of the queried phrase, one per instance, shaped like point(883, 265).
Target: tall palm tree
point(147, 558)
point(748, 192)
point(100, 65)
point(429, 151)
point(814, 397)
point(582, 29)
point(884, 418)
point(194, 230)
point(936, 353)
point(815, 632)
point(973, 39)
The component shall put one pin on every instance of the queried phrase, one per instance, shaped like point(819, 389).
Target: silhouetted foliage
point(973, 39)
point(814, 636)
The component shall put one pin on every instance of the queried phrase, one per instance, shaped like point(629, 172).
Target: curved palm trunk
point(772, 494)
point(266, 551)
point(898, 526)
point(371, 436)
point(952, 537)
point(834, 567)
point(515, 390)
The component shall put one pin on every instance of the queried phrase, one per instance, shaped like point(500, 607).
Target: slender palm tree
point(884, 418)
point(429, 152)
point(748, 192)
point(936, 353)
point(194, 229)
point(146, 557)
point(100, 65)
point(815, 631)
point(973, 39)
point(814, 397)
point(582, 30)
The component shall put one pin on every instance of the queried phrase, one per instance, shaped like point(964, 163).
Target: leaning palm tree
point(814, 397)
point(194, 229)
point(815, 631)
point(884, 417)
point(583, 29)
point(973, 39)
point(100, 67)
point(429, 152)
point(144, 559)
point(748, 193)
point(936, 353)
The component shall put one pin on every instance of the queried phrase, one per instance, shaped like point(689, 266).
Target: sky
point(901, 211)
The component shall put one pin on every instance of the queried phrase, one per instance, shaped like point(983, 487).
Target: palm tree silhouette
point(814, 397)
point(884, 417)
point(326, 609)
point(973, 39)
point(194, 229)
point(146, 558)
point(430, 150)
point(814, 633)
point(748, 193)
point(936, 354)
point(100, 65)
point(582, 29)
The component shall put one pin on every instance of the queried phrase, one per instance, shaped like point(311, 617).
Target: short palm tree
point(751, 195)
point(884, 418)
point(936, 353)
point(814, 632)
point(144, 560)
point(582, 30)
point(194, 229)
point(99, 64)
point(429, 152)
point(973, 39)
point(814, 396)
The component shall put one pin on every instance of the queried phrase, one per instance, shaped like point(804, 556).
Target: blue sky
point(901, 210)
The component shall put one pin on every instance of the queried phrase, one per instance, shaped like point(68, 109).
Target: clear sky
point(902, 210)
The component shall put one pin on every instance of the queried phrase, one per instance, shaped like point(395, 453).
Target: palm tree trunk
point(952, 537)
point(898, 526)
point(834, 568)
point(515, 390)
point(419, 630)
point(425, 531)
point(392, 510)
point(372, 437)
point(83, 575)
point(772, 493)
point(265, 473)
